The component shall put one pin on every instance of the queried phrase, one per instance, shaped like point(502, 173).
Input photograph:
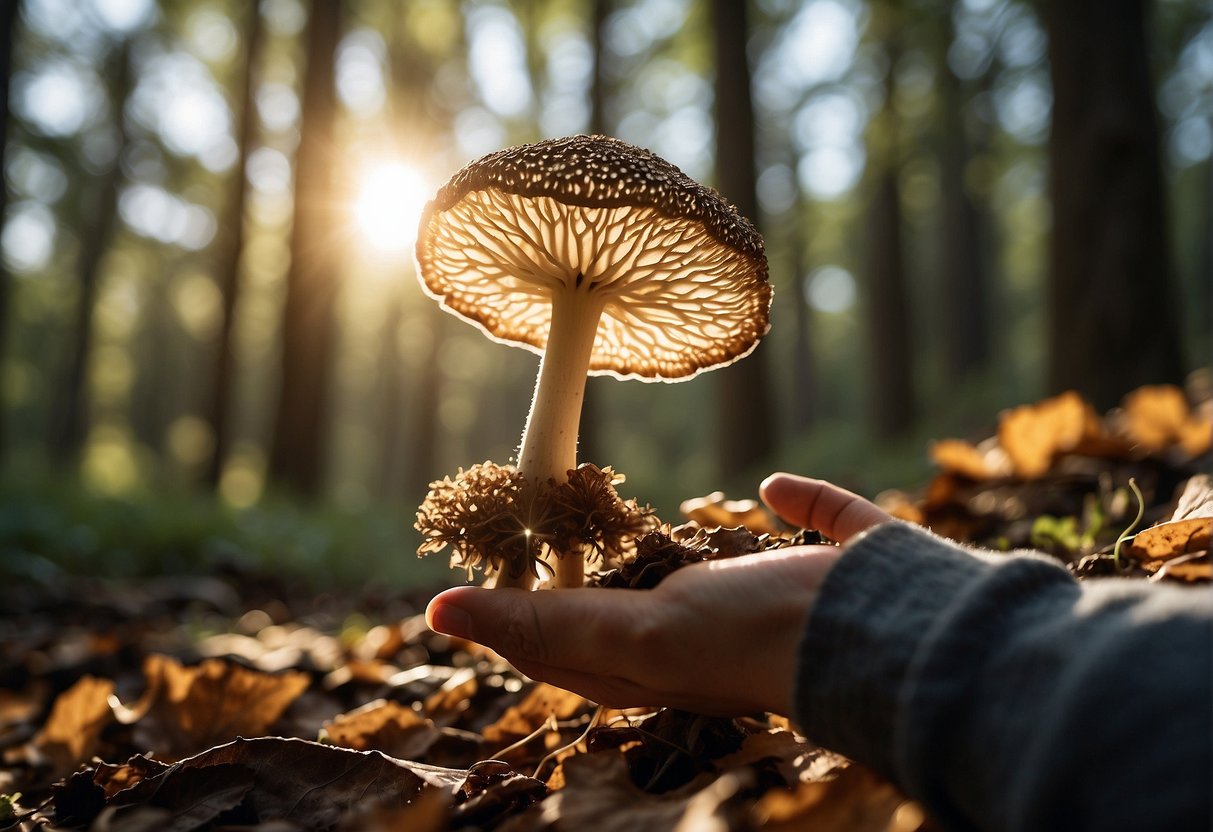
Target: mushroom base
point(496, 520)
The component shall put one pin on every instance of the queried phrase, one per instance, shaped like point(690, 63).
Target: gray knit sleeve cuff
point(876, 609)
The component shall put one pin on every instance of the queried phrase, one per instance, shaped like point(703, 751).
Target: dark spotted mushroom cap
point(683, 275)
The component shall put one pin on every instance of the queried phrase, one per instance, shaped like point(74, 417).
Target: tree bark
point(1112, 318)
point(8, 37)
point(592, 447)
point(297, 459)
point(746, 429)
point(223, 372)
point(97, 232)
point(965, 302)
point(886, 298)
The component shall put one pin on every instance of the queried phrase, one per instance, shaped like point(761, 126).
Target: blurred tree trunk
point(301, 428)
point(97, 225)
point(804, 373)
point(8, 37)
point(965, 305)
point(416, 133)
point(592, 445)
point(231, 248)
point(746, 422)
point(886, 297)
point(1112, 320)
point(154, 350)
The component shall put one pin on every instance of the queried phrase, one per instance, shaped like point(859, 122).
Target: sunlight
point(391, 196)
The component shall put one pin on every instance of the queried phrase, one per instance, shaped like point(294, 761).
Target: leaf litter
point(115, 715)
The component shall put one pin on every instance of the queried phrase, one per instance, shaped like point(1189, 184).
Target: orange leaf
point(1033, 435)
point(1155, 417)
point(959, 457)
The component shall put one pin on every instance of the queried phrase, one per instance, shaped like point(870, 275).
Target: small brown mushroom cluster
point(605, 259)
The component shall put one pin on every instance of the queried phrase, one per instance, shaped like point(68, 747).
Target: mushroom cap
point(681, 275)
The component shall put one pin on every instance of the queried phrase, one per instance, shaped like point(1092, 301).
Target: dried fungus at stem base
point(493, 518)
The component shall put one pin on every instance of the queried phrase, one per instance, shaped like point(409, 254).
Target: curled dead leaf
point(715, 510)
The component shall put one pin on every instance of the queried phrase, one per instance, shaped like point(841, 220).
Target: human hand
point(719, 637)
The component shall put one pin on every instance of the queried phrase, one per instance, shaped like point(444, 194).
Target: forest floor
point(238, 701)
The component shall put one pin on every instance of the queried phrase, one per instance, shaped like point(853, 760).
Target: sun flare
point(391, 196)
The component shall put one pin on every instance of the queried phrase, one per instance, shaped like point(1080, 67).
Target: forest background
point(213, 346)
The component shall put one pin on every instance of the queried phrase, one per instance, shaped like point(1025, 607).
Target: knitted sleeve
point(1004, 695)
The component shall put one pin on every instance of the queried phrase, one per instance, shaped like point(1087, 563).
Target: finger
point(576, 629)
point(817, 504)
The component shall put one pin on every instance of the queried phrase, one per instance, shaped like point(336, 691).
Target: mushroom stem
point(549, 442)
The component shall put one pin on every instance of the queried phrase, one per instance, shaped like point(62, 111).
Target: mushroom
point(603, 258)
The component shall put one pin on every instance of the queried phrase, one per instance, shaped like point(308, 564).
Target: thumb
point(817, 504)
point(570, 628)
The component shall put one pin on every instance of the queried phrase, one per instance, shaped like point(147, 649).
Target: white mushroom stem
point(549, 442)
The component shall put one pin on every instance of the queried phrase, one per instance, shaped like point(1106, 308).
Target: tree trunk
point(297, 459)
point(888, 312)
point(804, 373)
point(97, 231)
point(746, 422)
point(8, 37)
point(223, 373)
point(965, 302)
point(592, 445)
point(886, 297)
point(1112, 318)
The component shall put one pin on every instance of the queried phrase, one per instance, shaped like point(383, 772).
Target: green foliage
point(51, 527)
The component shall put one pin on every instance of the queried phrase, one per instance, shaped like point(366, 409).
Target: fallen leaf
point(390, 727)
point(1158, 416)
point(214, 702)
point(69, 735)
point(715, 510)
point(1033, 435)
point(542, 703)
point(977, 463)
point(309, 783)
point(856, 800)
point(1189, 529)
point(599, 796)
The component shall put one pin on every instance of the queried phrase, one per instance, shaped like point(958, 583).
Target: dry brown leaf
point(961, 458)
point(446, 704)
point(794, 757)
point(1033, 435)
point(312, 784)
point(1173, 538)
point(1191, 568)
point(385, 726)
point(599, 796)
point(857, 800)
point(69, 735)
point(1154, 416)
point(213, 702)
point(541, 703)
point(715, 510)
point(1188, 530)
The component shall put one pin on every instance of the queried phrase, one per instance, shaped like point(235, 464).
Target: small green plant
point(1128, 533)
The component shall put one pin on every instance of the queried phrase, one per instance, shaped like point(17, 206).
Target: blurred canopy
point(207, 277)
